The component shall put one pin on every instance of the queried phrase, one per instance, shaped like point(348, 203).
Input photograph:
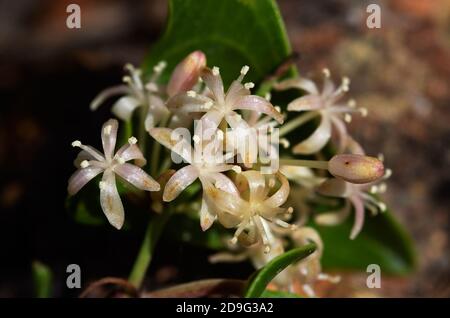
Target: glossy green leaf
point(232, 33)
point(42, 280)
point(382, 241)
point(260, 279)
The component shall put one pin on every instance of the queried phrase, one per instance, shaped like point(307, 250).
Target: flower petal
point(124, 107)
point(279, 197)
point(300, 83)
point(214, 83)
point(207, 217)
point(180, 146)
point(342, 134)
point(235, 91)
point(317, 140)
point(186, 73)
point(107, 93)
point(306, 103)
point(209, 122)
point(179, 181)
point(256, 183)
point(110, 200)
point(333, 218)
point(80, 177)
point(188, 104)
point(137, 177)
point(109, 137)
point(335, 188)
point(258, 104)
point(156, 112)
point(358, 205)
point(131, 152)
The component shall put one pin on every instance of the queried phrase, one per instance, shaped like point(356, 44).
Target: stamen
point(132, 140)
point(363, 111)
point(84, 164)
point(208, 104)
point(387, 174)
point(266, 248)
point(191, 93)
point(278, 109)
point(351, 103)
point(120, 160)
point(249, 85)
point(290, 210)
point(373, 189)
point(234, 240)
point(382, 206)
point(382, 188)
point(158, 68)
point(215, 71)
point(268, 97)
point(244, 69)
point(285, 143)
point(76, 143)
point(326, 72)
point(272, 182)
point(380, 157)
point(237, 169)
point(126, 79)
point(348, 118)
point(107, 130)
point(282, 223)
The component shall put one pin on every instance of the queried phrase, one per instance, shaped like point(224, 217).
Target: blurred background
point(49, 74)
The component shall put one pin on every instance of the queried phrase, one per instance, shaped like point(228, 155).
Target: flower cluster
point(236, 189)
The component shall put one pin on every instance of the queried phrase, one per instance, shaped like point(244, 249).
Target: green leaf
point(278, 294)
point(261, 278)
point(382, 241)
point(42, 279)
point(232, 33)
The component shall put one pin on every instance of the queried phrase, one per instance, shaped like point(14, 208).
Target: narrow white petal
point(214, 83)
point(256, 183)
point(107, 93)
point(179, 181)
point(80, 177)
point(358, 205)
point(342, 135)
point(206, 216)
point(137, 177)
point(109, 137)
point(131, 152)
point(110, 200)
point(306, 103)
point(279, 197)
point(258, 104)
point(180, 146)
point(300, 83)
point(317, 140)
point(124, 107)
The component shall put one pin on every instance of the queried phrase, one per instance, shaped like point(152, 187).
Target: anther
point(132, 140)
point(244, 69)
point(249, 85)
point(84, 164)
point(326, 72)
point(215, 71)
point(76, 143)
point(191, 93)
point(348, 118)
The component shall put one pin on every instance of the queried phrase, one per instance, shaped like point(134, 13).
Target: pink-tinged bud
point(356, 168)
point(186, 73)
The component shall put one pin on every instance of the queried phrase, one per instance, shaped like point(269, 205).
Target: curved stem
point(145, 255)
point(300, 120)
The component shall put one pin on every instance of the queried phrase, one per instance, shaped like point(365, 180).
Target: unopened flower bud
point(186, 73)
point(356, 168)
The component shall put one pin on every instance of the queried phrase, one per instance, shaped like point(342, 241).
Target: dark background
point(49, 74)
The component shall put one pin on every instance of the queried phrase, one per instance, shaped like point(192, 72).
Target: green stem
point(152, 234)
point(300, 120)
point(315, 164)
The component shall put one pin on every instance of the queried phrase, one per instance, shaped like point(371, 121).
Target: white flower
point(356, 195)
point(221, 105)
point(205, 167)
point(252, 216)
point(137, 93)
point(327, 104)
point(91, 163)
